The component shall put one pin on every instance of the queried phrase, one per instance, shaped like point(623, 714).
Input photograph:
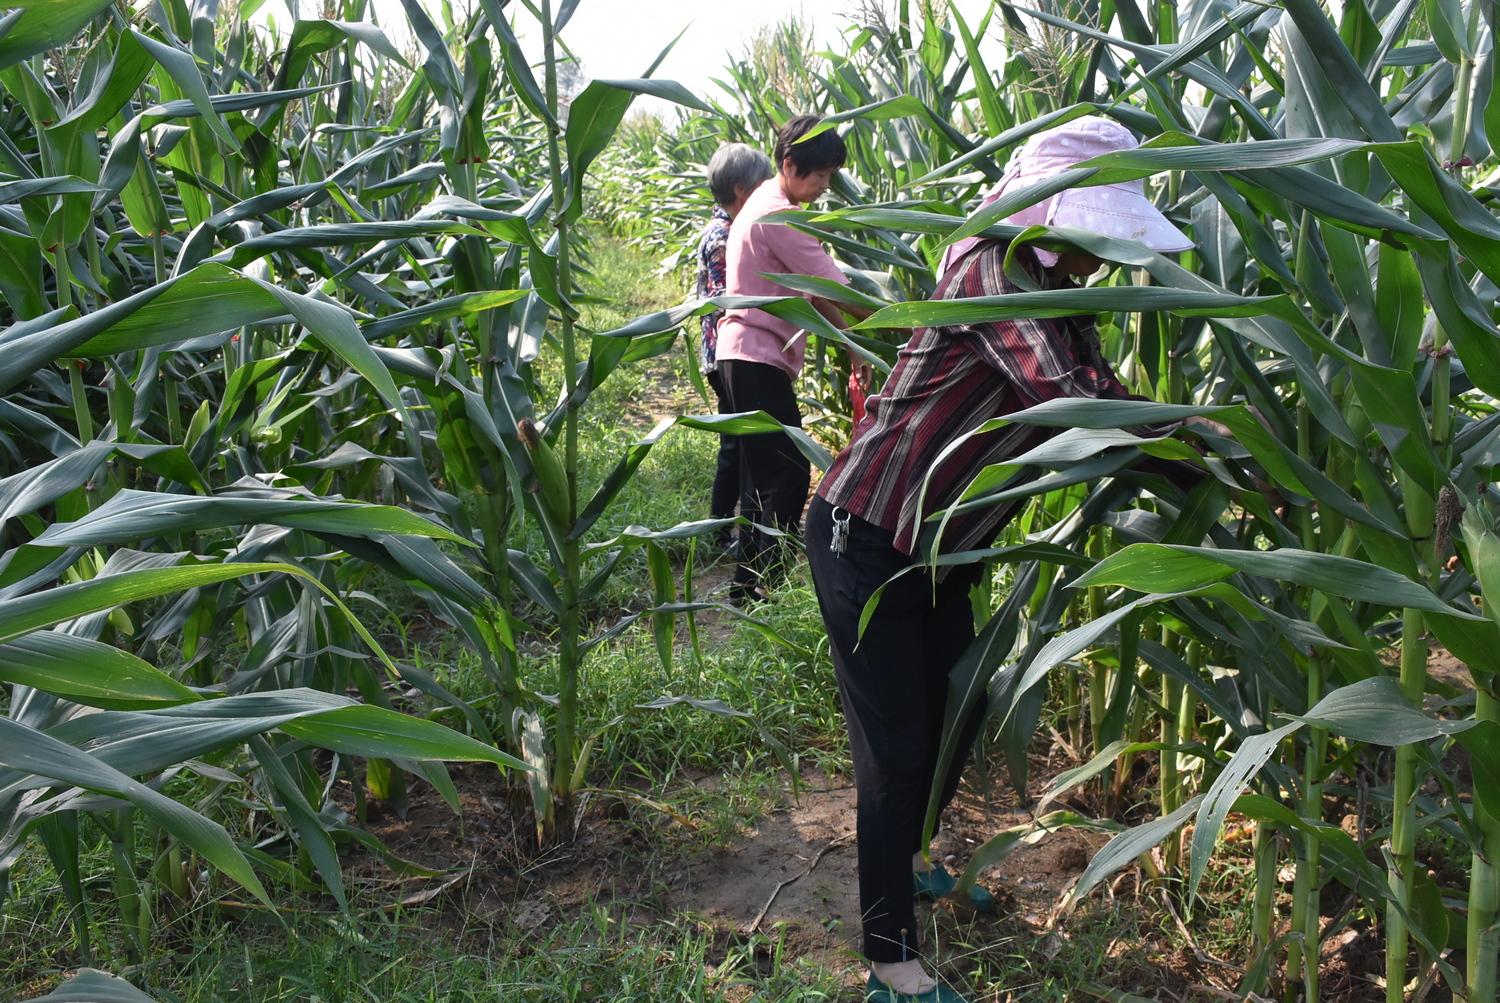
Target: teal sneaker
point(878, 992)
point(929, 886)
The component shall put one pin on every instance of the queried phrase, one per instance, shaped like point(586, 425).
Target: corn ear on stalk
point(551, 480)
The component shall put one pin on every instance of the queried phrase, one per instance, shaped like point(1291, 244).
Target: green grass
point(423, 956)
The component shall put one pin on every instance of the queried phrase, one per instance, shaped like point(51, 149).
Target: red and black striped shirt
point(947, 382)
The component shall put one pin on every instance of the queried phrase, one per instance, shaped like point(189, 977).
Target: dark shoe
point(743, 596)
point(878, 992)
point(929, 886)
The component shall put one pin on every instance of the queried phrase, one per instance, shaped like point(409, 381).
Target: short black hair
point(825, 150)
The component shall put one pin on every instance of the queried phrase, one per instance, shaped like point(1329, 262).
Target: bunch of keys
point(840, 541)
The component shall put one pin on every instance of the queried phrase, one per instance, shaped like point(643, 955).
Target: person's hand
point(1274, 499)
point(1208, 425)
point(1205, 426)
point(861, 372)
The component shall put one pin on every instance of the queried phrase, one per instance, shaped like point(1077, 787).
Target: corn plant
point(273, 324)
point(1337, 320)
point(1367, 446)
point(180, 393)
point(282, 310)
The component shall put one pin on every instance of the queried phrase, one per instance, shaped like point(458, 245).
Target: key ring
point(840, 541)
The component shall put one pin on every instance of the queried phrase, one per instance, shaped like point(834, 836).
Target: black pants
point(774, 474)
point(893, 684)
point(726, 490)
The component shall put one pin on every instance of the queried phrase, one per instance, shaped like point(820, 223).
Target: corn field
point(283, 311)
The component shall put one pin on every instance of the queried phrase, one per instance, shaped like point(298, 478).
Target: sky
point(620, 38)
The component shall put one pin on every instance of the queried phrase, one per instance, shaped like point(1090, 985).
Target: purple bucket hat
point(1118, 210)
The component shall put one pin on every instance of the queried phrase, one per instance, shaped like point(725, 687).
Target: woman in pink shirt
point(759, 355)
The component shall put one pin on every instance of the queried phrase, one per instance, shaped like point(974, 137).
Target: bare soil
point(791, 873)
point(796, 867)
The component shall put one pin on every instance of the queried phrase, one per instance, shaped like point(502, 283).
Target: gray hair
point(735, 166)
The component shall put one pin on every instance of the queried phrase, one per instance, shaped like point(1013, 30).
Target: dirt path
point(797, 867)
point(791, 874)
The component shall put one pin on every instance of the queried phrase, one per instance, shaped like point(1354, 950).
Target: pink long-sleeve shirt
point(755, 247)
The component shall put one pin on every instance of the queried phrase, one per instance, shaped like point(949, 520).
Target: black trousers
point(726, 491)
point(893, 684)
point(774, 474)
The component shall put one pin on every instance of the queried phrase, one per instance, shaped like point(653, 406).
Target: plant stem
point(1306, 897)
point(1483, 939)
point(1421, 513)
point(1305, 528)
point(1462, 88)
point(158, 258)
point(81, 414)
point(63, 273)
point(1098, 671)
point(568, 647)
point(494, 521)
point(1263, 912)
point(1187, 720)
point(174, 414)
point(1404, 814)
point(1171, 794)
point(1442, 410)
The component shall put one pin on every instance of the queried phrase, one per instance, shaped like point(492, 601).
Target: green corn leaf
point(183, 70)
point(597, 112)
point(901, 106)
point(1124, 848)
point(1063, 303)
point(310, 38)
point(366, 730)
point(663, 594)
point(1151, 567)
point(311, 832)
point(127, 70)
point(1373, 710)
point(208, 300)
point(67, 602)
point(93, 986)
point(44, 483)
point(32, 751)
point(995, 849)
point(44, 24)
point(1178, 152)
point(517, 69)
point(340, 234)
point(134, 515)
point(756, 423)
point(15, 191)
point(88, 672)
point(1248, 760)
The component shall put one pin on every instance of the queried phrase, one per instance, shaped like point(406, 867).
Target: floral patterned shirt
point(711, 279)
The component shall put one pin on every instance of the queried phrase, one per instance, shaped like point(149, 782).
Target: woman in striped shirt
point(868, 522)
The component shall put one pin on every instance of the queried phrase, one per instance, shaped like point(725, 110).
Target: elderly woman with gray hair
point(734, 172)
